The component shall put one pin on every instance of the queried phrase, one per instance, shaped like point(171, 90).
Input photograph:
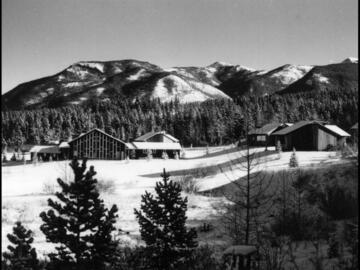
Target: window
point(261, 138)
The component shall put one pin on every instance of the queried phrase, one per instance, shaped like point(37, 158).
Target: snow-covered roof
point(96, 129)
point(337, 130)
point(148, 135)
point(240, 250)
point(332, 128)
point(48, 149)
point(355, 126)
point(64, 145)
point(155, 146)
point(129, 145)
point(296, 126)
point(268, 128)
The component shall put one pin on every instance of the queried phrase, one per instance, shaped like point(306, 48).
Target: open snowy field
point(25, 188)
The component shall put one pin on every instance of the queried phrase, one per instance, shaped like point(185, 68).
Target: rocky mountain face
point(134, 80)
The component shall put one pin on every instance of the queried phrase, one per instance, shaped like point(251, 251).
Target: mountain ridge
point(134, 80)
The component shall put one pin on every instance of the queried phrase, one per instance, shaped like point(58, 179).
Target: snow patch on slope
point(171, 87)
point(351, 60)
point(291, 73)
point(73, 84)
point(321, 79)
point(100, 90)
point(95, 65)
point(136, 76)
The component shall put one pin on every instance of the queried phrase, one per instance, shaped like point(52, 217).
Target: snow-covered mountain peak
point(351, 60)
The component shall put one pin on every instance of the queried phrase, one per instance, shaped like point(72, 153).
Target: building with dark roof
point(262, 136)
point(310, 136)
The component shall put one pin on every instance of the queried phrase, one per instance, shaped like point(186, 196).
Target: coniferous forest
point(214, 122)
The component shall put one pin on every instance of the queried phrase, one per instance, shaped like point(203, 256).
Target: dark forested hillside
point(324, 78)
point(212, 122)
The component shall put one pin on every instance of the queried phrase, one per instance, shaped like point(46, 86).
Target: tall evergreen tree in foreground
point(21, 256)
point(80, 223)
point(162, 225)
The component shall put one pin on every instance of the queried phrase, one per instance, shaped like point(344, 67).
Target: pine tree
point(21, 255)
point(293, 160)
point(162, 225)
point(80, 223)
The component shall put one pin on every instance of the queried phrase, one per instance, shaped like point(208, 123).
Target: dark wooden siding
point(97, 145)
point(325, 139)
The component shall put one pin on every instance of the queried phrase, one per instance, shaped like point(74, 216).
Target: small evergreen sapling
point(21, 256)
point(293, 160)
point(79, 223)
point(162, 226)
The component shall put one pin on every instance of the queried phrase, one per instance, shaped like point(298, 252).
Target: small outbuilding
point(241, 257)
point(45, 152)
point(311, 136)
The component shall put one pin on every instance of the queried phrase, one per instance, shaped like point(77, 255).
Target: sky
point(43, 37)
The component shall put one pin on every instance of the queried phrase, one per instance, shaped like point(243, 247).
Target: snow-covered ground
point(23, 186)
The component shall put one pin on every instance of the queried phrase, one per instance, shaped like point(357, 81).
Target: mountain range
point(136, 80)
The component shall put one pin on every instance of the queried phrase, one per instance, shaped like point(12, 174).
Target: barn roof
point(332, 128)
point(296, 126)
point(267, 129)
point(95, 129)
point(240, 250)
point(154, 146)
point(47, 149)
point(26, 147)
point(64, 145)
point(148, 135)
point(337, 130)
point(355, 126)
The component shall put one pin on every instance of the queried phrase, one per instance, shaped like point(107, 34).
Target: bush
point(202, 258)
point(188, 184)
point(331, 147)
point(13, 158)
point(48, 188)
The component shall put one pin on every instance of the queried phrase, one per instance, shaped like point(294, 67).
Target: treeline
point(213, 122)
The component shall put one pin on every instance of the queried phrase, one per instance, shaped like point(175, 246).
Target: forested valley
point(214, 122)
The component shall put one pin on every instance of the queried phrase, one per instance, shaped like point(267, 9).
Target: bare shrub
point(49, 188)
point(106, 186)
point(187, 183)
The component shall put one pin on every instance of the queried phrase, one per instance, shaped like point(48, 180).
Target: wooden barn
point(262, 136)
point(310, 136)
point(96, 144)
point(157, 143)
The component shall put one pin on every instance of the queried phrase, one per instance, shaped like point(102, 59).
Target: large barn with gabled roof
point(96, 144)
point(310, 136)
